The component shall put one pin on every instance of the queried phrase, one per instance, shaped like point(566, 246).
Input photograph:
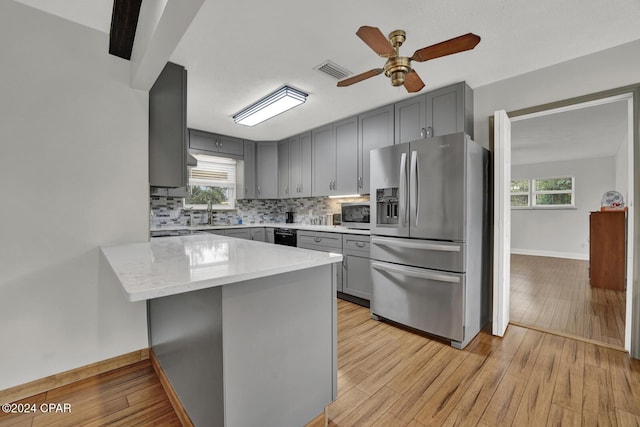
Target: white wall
point(612, 68)
point(561, 232)
point(622, 171)
point(73, 176)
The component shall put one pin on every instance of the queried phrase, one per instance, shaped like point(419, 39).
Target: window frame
point(231, 188)
point(532, 193)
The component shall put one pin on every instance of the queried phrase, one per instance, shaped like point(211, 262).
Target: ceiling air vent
point(333, 70)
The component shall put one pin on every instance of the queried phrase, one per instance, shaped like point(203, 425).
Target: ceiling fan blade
point(455, 45)
point(360, 77)
point(413, 82)
point(374, 38)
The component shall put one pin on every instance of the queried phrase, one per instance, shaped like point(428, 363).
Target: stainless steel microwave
point(356, 215)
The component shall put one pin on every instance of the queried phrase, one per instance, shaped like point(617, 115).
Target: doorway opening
point(562, 163)
point(551, 244)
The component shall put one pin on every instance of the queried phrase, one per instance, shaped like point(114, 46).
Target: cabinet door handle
point(359, 182)
point(360, 244)
point(317, 239)
point(258, 190)
point(429, 132)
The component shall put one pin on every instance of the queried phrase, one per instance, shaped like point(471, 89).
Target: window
point(213, 180)
point(543, 193)
point(520, 193)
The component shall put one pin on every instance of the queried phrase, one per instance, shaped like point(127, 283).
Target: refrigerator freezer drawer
point(447, 256)
point(431, 301)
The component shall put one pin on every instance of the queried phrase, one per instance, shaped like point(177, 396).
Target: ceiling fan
point(398, 68)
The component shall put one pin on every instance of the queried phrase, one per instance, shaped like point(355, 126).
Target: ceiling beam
point(161, 26)
point(124, 20)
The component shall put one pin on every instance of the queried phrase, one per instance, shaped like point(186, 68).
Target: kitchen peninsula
point(244, 331)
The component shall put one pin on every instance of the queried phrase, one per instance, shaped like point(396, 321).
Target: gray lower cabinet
point(239, 233)
point(267, 170)
point(168, 128)
point(375, 130)
point(356, 278)
point(215, 144)
point(258, 234)
point(249, 170)
point(269, 236)
point(322, 241)
point(220, 232)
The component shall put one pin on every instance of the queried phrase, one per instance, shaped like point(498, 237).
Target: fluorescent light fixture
point(271, 105)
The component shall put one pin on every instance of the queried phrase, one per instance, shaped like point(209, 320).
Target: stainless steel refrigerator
point(429, 236)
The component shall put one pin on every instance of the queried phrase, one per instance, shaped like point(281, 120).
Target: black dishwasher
point(285, 236)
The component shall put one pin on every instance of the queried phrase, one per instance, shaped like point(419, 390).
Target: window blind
point(213, 171)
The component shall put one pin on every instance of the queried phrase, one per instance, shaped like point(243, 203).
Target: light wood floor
point(391, 377)
point(554, 294)
point(129, 396)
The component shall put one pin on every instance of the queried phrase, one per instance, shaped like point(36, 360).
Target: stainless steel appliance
point(429, 236)
point(356, 215)
point(285, 236)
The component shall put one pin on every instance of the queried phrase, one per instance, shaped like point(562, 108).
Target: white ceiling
point(236, 52)
point(591, 132)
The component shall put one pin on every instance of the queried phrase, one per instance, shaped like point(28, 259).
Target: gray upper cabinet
point(375, 131)
point(249, 170)
point(267, 170)
point(324, 154)
point(450, 110)
point(335, 158)
point(215, 144)
point(439, 112)
point(346, 140)
point(283, 170)
point(410, 119)
point(300, 165)
point(168, 128)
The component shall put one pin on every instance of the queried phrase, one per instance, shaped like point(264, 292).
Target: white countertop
point(173, 265)
point(309, 227)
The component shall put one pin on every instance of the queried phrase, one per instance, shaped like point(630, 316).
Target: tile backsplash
point(168, 211)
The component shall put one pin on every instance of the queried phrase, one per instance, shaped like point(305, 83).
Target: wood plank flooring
point(554, 294)
point(388, 377)
point(128, 396)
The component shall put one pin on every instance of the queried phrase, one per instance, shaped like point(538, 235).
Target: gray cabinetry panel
point(244, 233)
point(215, 144)
point(283, 170)
point(375, 130)
point(356, 276)
point(267, 170)
point(249, 170)
point(269, 235)
point(324, 155)
point(346, 140)
point(258, 234)
point(324, 242)
point(168, 128)
point(410, 119)
point(300, 165)
point(450, 110)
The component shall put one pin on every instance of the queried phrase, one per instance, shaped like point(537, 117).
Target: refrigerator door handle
point(404, 212)
point(414, 245)
point(413, 184)
point(415, 272)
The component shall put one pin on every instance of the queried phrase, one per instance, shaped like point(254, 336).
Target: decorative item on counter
point(612, 201)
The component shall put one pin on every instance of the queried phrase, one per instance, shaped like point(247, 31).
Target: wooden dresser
point(607, 235)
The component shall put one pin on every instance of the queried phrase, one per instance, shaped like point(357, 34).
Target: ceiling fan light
point(270, 106)
point(397, 78)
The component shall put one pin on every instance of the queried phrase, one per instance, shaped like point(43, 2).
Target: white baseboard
point(533, 252)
